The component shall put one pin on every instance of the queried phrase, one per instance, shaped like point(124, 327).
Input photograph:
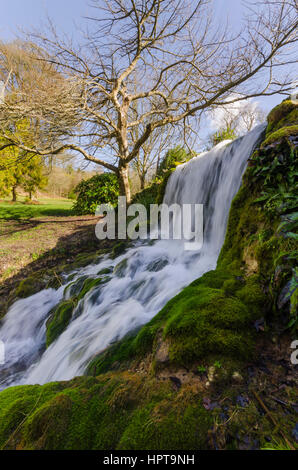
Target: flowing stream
point(140, 282)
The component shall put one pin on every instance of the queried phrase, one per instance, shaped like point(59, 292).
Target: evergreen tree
point(21, 169)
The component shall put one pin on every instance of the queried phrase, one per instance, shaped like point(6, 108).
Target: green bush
point(100, 189)
point(223, 134)
point(172, 157)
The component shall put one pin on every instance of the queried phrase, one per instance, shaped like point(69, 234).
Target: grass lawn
point(45, 208)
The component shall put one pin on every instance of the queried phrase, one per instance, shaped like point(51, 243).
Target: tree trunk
point(14, 194)
point(124, 188)
point(157, 165)
point(30, 195)
point(142, 180)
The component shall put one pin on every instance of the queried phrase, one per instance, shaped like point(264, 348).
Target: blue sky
point(28, 13)
point(66, 14)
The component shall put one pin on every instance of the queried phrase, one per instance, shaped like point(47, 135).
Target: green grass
point(45, 208)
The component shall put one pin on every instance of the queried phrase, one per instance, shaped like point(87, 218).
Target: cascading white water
point(142, 281)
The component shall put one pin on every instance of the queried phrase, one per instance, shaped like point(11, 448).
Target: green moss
point(207, 322)
point(17, 403)
point(111, 412)
point(281, 111)
point(74, 287)
point(29, 286)
point(289, 119)
point(151, 427)
point(59, 320)
point(280, 134)
point(245, 219)
point(89, 284)
point(252, 295)
point(119, 249)
point(105, 271)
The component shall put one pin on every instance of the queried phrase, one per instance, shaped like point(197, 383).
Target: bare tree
point(240, 117)
point(148, 157)
point(250, 117)
point(184, 63)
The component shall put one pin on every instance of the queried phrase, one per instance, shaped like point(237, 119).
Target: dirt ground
point(25, 241)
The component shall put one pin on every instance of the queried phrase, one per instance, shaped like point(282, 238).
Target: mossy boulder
point(104, 271)
point(29, 286)
point(124, 411)
point(202, 321)
point(283, 114)
point(282, 122)
point(59, 320)
point(88, 285)
point(280, 134)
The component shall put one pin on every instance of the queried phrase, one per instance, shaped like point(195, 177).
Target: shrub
point(223, 134)
point(100, 189)
point(172, 157)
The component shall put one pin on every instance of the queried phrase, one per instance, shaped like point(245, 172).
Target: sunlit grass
point(44, 208)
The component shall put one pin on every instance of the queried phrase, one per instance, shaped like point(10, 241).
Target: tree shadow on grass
point(23, 212)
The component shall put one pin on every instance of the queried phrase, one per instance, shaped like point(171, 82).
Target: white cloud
point(235, 115)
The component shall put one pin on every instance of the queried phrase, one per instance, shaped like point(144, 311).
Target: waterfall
point(142, 280)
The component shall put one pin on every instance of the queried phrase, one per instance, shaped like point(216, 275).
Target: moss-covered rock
point(280, 112)
point(59, 320)
point(126, 411)
point(119, 249)
point(280, 134)
point(29, 286)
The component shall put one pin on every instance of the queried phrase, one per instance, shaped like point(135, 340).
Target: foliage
point(227, 133)
point(276, 170)
point(172, 157)
point(100, 189)
point(147, 196)
point(19, 168)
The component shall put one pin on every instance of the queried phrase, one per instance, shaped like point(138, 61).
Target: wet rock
point(162, 353)
point(120, 268)
point(157, 265)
